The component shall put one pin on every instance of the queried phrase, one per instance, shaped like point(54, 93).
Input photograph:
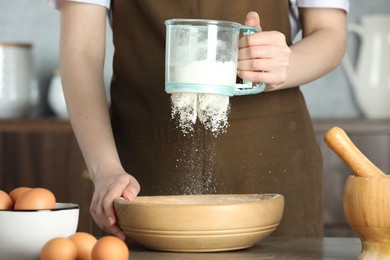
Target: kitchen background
point(36, 22)
point(330, 98)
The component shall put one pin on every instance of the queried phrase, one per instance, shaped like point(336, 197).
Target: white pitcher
point(370, 77)
point(19, 93)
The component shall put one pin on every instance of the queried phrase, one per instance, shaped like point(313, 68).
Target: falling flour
point(197, 166)
point(213, 112)
point(184, 108)
point(210, 109)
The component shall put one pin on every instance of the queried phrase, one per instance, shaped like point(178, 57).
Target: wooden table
point(270, 248)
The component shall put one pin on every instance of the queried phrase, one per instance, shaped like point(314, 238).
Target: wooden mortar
point(366, 203)
point(366, 197)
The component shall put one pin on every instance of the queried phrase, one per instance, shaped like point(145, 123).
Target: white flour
point(211, 109)
point(184, 107)
point(206, 72)
point(213, 112)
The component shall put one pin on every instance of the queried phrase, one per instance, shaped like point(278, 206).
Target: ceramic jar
point(19, 92)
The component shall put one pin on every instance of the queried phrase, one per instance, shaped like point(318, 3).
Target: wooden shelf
point(355, 126)
point(35, 125)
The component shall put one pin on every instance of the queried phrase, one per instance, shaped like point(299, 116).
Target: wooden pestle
point(340, 143)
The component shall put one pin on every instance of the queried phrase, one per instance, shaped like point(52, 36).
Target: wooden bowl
point(366, 203)
point(200, 223)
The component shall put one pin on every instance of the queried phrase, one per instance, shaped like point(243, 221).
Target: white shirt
point(294, 15)
point(295, 4)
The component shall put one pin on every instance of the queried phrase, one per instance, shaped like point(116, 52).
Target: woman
point(269, 146)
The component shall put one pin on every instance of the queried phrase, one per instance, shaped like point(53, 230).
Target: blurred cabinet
point(372, 137)
point(45, 153)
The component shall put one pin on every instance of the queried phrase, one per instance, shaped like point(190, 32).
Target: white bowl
point(24, 232)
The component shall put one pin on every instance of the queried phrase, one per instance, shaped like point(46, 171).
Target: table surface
point(270, 248)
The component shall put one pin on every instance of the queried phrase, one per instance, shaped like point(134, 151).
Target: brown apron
point(269, 146)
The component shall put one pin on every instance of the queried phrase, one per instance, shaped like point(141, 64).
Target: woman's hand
point(263, 57)
point(107, 189)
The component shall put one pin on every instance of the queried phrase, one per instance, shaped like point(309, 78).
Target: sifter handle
point(248, 87)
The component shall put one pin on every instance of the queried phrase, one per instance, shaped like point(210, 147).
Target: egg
point(5, 200)
point(84, 243)
point(36, 198)
point(17, 192)
point(59, 248)
point(110, 247)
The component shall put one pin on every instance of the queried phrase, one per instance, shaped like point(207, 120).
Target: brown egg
point(84, 243)
point(17, 192)
point(59, 248)
point(110, 247)
point(5, 200)
point(36, 198)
